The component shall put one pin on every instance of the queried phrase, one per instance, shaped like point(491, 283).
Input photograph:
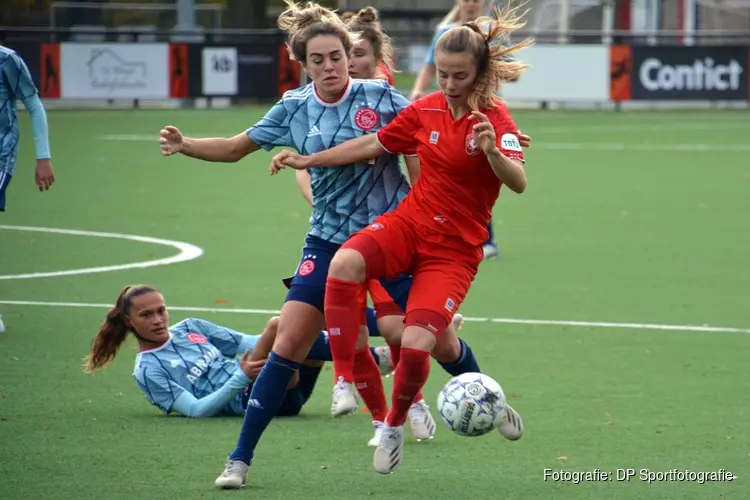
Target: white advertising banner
point(115, 70)
point(562, 73)
point(220, 71)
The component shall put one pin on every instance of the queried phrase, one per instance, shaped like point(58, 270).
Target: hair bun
point(367, 15)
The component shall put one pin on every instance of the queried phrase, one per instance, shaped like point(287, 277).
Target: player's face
point(469, 10)
point(456, 73)
point(149, 317)
point(327, 65)
point(363, 63)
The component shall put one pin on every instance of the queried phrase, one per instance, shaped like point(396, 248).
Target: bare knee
point(447, 349)
point(272, 327)
point(348, 265)
point(391, 328)
point(416, 337)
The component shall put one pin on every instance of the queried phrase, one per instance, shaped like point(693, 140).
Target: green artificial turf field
point(633, 223)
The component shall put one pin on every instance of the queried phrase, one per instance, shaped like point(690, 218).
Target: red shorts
point(443, 266)
point(382, 301)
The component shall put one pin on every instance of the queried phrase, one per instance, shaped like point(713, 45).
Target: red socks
point(411, 375)
point(343, 318)
point(369, 384)
point(395, 357)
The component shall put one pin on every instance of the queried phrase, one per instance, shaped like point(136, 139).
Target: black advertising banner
point(257, 70)
point(700, 73)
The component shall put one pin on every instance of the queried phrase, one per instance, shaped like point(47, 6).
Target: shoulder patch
point(510, 142)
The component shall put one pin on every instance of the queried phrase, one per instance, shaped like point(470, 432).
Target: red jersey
point(457, 187)
point(387, 74)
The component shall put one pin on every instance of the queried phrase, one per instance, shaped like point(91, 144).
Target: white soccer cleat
point(458, 321)
point(378, 433)
point(2, 325)
point(510, 425)
point(385, 362)
point(344, 398)
point(421, 422)
point(234, 476)
point(390, 450)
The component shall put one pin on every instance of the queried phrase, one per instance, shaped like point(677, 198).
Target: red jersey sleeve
point(506, 132)
point(400, 136)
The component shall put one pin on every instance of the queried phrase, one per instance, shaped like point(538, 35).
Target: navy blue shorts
point(4, 181)
point(308, 284)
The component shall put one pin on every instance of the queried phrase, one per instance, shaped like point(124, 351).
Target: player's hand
point(251, 368)
point(415, 95)
point(524, 139)
point(170, 139)
point(44, 175)
point(484, 132)
point(288, 158)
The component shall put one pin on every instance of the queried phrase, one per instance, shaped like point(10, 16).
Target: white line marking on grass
point(585, 324)
point(187, 252)
point(622, 146)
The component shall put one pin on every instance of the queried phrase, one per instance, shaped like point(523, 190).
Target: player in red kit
point(468, 147)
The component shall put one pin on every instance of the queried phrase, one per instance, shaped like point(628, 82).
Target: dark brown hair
point(114, 330)
point(486, 39)
point(306, 21)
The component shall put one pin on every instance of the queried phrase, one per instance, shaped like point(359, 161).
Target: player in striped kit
point(16, 84)
point(192, 368)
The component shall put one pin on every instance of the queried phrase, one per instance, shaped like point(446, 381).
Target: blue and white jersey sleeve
point(17, 77)
point(273, 129)
point(230, 342)
point(158, 386)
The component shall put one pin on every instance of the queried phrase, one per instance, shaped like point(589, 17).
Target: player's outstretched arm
point(215, 149)
point(352, 151)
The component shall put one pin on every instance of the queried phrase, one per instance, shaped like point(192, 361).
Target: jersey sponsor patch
point(366, 118)
point(510, 142)
point(197, 338)
point(471, 145)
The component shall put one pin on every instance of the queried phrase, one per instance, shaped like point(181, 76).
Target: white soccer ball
point(471, 403)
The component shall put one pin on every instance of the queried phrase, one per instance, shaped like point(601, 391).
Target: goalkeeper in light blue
point(197, 368)
point(16, 84)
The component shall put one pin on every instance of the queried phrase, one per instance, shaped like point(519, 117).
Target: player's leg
point(489, 248)
point(380, 248)
point(421, 422)
point(382, 354)
point(296, 397)
point(4, 181)
point(442, 278)
point(300, 323)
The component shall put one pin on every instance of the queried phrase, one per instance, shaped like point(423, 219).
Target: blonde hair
point(451, 17)
point(114, 330)
point(366, 25)
point(486, 40)
point(306, 21)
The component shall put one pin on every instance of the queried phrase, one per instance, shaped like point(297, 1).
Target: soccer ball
point(471, 403)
